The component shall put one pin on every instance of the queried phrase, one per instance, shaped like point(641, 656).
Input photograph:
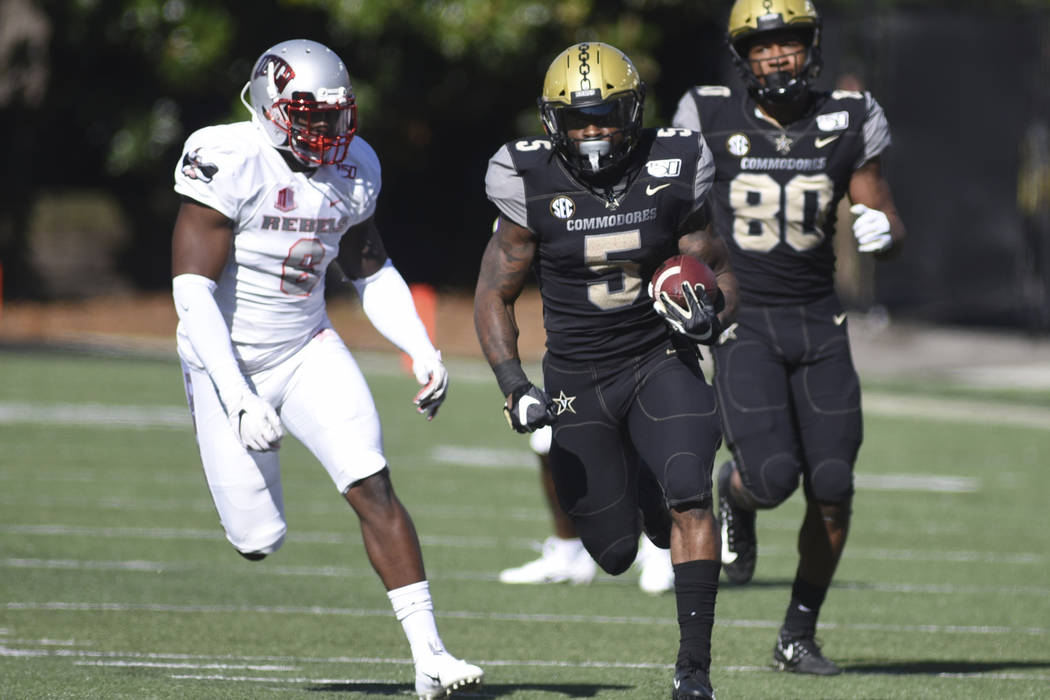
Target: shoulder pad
point(664, 132)
point(713, 91)
point(846, 95)
point(527, 145)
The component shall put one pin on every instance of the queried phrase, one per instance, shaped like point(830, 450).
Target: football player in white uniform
point(267, 205)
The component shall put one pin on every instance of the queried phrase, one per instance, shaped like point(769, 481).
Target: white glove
point(431, 373)
point(255, 423)
point(871, 228)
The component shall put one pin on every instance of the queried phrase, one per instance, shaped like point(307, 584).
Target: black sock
point(695, 588)
point(802, 612)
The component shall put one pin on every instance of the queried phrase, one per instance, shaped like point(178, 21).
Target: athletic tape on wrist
point(510, 376)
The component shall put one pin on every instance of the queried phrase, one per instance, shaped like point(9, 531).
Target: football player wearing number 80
point(785, 154)
point(267, 205)
point(594, 208)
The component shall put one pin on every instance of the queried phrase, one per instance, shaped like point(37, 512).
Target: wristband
point(510, 376)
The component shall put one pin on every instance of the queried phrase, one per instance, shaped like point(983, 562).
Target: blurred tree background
point(97, 97)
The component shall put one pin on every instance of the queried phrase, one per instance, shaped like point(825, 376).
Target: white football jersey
point(286, 225)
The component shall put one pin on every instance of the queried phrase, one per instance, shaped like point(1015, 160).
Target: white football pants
point(323, 401)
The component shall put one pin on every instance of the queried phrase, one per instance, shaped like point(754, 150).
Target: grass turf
point(117, 582)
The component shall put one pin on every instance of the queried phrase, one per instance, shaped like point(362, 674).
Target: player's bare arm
point(361, 251)
point(707, 246)
point(869, 187)
point(504, 269)
point(201, 241)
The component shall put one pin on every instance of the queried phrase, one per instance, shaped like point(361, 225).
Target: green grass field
point(116, 581)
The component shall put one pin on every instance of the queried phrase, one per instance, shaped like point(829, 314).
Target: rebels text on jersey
point(594, 259)
point(776, 189)
point(287, 226)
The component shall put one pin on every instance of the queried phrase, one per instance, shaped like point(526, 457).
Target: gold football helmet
point(750, 18)
point(592, 84)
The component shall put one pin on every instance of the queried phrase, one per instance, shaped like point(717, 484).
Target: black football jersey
point(777, 189)
point(594, 258)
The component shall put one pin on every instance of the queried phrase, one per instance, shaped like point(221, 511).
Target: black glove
point(698, 321)
point(530, 408)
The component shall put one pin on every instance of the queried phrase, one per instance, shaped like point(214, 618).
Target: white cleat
point(560, 561)
point(443, 673)
point(657, 571)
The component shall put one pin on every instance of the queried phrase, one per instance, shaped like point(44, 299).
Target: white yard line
point(79, 606)
point(875, 403)
point(364, 572)
point(294, 664)
point(502, 543)
point(94, 415)
point(955, 410)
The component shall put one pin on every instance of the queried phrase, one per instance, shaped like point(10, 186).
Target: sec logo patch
point(563, 207)
point(738, 144)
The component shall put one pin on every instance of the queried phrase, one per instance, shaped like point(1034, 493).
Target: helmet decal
point(584, 56)
point(277, 72)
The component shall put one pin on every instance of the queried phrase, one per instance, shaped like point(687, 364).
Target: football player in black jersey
point(594, 209)
point(785, 154)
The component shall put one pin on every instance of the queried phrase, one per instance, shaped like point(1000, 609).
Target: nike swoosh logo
point(821, 142)
point(653, 189)
point(523, 408)
point(839, 318)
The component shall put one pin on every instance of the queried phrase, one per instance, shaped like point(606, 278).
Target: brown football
point(684, 268)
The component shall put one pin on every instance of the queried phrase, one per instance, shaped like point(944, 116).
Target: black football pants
point(790, 401)
point(617, 417)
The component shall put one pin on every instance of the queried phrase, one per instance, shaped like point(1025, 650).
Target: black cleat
point(691, 683)
point(739, 544)
point(802, 655)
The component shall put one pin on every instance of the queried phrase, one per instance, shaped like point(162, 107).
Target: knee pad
point(831, 481)
point(256, 545)
point(617, 557)
point(775, 481)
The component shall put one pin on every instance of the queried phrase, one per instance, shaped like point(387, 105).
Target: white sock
point(567, 548)
point(415, 611)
